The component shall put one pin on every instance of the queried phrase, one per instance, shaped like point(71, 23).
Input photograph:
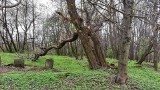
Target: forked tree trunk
point(90, 42)
point(122, 76)
point(99, 50)
point(90, 51)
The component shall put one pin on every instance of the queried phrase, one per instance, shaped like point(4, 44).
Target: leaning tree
point(89, 38)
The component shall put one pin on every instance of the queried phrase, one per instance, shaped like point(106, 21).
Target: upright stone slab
point(19, 63)
point(49, 63)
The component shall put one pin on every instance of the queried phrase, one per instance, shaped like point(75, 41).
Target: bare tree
point(87, 36)
point(125, 42)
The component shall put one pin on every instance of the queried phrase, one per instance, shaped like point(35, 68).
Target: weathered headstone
point(19, 63)
point(49, 63)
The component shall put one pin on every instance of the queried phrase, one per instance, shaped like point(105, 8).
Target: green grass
point(74, 75)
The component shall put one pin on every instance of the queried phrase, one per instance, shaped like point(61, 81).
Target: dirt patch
point(5, 69)
point(10, 68)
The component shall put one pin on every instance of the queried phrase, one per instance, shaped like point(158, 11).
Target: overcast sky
point(46, 6)
point(50, 6)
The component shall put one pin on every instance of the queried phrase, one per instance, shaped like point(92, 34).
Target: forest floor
point(71, 74)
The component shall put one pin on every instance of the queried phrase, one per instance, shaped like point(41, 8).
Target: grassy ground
point(74, 74)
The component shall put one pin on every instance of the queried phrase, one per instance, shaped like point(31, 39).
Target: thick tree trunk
point(131, 51)
point(155, 48)
point(125, 42)
point(99, 51)
point(155, 34)
point(90, 51)
point(93, 52)
point(155, 61)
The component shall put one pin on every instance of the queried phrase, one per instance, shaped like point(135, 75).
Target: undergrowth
point(75, 75)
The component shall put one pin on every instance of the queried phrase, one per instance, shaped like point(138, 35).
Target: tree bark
point(155, 34)
point(146, 52)
point(94, 54)
point(122, 75)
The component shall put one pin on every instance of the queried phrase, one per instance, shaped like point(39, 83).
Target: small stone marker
point(49, 64)
point(19, 63)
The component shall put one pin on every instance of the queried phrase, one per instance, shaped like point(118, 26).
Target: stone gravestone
point(19, 63)
point(49, 64)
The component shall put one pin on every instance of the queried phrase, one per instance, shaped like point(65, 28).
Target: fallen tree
point(44, 50)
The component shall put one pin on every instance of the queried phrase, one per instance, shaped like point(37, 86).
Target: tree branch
point(45, 50)
point(10, 6)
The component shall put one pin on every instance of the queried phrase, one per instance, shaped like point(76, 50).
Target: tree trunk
point(11, 38)
point(155, 48)
point(4, 41)
point(122, 76)
point(93, 52)
point(98, 49)
point(155, 61)
point(90, 51)
point(155, 34)
point(146, 52)
point(131, 51)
